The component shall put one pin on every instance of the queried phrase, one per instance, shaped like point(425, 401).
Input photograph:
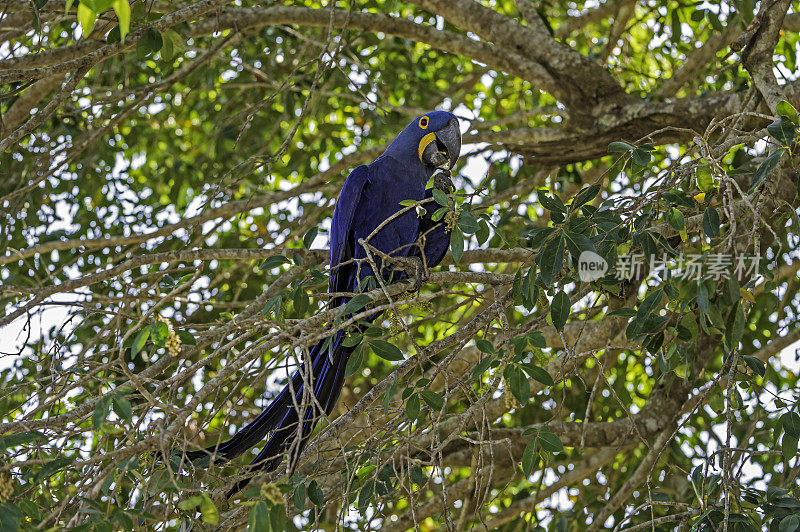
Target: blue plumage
point(370, 195)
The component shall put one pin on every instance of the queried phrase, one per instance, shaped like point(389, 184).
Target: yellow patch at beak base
point(427, 139)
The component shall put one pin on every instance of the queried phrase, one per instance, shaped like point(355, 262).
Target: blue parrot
point(371, 194)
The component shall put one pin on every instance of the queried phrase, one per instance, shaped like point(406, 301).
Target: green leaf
point(25, 438)
point(791, 424)
point(357, 303)
point(385, 350)
point(675, 26)
point(374, 332)
point(168, 49)
point(408, 202)
point(711, 222)
point(122, 407)
point(766, 167)
point(158, 482)
point(159, 332)
point(786, 502)
point(550, 442)
point(456, 244)
point(299, 496)
point(650, 303)
point(519, 385)
point(432, 399)
point(677, 197)
point(551, 259)
point(788, 446)
point(187, 338)
point(755, 364)
point(516, 288)
point(468, 223)
point(412, 407)
point(309, 237)
point(484, 346)
point(560, 309)
point(440, 197)
point(97, 5)
point(790, 523)
point(416, 474)
point(733, 291)
point(482, 234)
point(388, 395)
point(704, 178)
point(352, 340)
point(529, 290)
point(87, 18)
point(641, 156)
point(150, 43)
point(52, 467)
point(300, 301)
point(676, 219)
point(354, 362)
point(275, 303)
point(536, 339)
point(551, 203)
point(734, 326)
point(529, 457)
point(786, 109)
point(713, 19)
point(538, 374)
point(113, 35)
point(273, 262)
point(10, 517)
point(315, 493)
point(30, 509)
point(585, 196)
point(481, 367)
point(689, 322)
point(365, 496)
point(191, 502)
point(782, 130)
point(100, 413)
point(258, 520)
point(702, 296)
point(577, 243)
point(140, 340)
point(123, 10)
point(619, 146)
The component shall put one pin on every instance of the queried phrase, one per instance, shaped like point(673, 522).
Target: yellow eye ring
point(423, 122)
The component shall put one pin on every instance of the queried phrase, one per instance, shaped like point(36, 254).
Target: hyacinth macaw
point(371, 194)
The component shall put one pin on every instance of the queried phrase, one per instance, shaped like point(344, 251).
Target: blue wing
point(342, 230)
point(389, 184)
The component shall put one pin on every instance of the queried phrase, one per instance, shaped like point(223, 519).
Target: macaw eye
point(423, 122)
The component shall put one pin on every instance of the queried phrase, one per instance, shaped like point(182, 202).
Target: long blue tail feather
point(328, 380)
point(272, 417)
point(281, 416)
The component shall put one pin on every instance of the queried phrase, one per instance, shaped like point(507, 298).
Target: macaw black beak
point(441, 148)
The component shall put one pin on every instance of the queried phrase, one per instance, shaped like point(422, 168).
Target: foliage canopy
point(167, 176)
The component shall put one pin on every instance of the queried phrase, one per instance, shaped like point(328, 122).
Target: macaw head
point(433, 140)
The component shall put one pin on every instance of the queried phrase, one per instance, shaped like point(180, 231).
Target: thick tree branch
point(757, 55)
point(30, 98)
point(582, 85)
